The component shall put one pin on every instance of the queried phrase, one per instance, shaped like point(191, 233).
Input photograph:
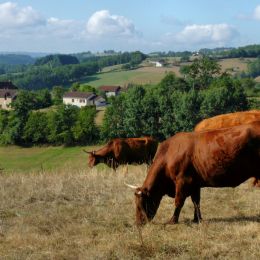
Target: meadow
point(148, 74)
point(64, 210)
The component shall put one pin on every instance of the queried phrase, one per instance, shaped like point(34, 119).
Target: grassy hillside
point(152, 75)
point(38, 159)
point(89, 214)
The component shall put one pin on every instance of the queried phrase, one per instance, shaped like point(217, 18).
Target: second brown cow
point(124, 151)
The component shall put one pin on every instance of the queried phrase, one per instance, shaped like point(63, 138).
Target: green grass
point(20, 159)
point(150, 75)
point(123, 78)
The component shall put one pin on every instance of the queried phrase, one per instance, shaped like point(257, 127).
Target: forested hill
point(57, 60)
point(61, 70)
point(16, 59)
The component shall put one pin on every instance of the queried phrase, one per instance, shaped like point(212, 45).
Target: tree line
point(175, 104)
point(54, 70)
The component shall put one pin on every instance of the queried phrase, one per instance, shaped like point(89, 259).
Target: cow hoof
point(196, 221)
point(171, 222)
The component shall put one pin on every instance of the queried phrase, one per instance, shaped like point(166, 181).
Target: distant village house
point(158, 64)
point(110, 90)
point(82, 99)
point(8, 93)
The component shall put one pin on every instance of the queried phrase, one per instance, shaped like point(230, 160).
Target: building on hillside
point(7, 85)
point(110, 90)
point(8, 92)
point(82, 99)
point(7, 96)
point(100, 101)
point(159, 63)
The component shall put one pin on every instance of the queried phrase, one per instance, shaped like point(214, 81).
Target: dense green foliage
point(57, 70)
point(249, 51)
point(39, 77)
point(173, 105)
point(66, 125)
point(254, 68)
point(133, 58)
point(57, 60)
point(201, 72)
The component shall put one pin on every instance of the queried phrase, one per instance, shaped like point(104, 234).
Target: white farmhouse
point(110, 90)
point(79, 99)
point(8, 92)
point(6, 98)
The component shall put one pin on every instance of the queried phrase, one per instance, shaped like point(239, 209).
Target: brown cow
point(187, 162)
point(124, 151)
point(228, 120)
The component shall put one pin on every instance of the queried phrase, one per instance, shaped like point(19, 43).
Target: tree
point(43, 98)
point(133, 112)
point(113, 122)
point(150, 114)
point(225, 95)
point(35, 130)
point(61, 123)
point(57, 94)
point(85, 130)
point(186, 107)
point(201, 72)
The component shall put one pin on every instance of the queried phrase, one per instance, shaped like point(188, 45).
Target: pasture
point(65, 210)
point(148, 74)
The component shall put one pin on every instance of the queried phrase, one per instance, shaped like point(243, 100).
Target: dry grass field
point(89, 214)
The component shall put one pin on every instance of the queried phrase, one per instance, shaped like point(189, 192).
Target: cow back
point(228, 120)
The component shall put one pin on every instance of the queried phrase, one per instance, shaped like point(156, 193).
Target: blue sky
point(67, 26)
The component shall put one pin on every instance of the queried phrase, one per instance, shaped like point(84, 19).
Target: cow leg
point(180, 198)
point(195, 197)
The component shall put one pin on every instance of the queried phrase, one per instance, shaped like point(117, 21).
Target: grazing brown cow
point(228, 120)
point(124, 151)
point(187, 162)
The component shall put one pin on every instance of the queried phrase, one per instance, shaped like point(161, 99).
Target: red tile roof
point(109, 88)
point(7, 85)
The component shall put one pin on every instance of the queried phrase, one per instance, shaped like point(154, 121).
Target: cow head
point(146, 205)
point(92, 159)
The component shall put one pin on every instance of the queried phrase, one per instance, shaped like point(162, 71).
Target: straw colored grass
point(89, 214)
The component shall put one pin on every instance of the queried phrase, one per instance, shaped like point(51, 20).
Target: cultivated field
point(151, 75)
point(72, 212)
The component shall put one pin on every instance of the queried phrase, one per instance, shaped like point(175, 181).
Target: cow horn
point(87, 151)
point(131, 186)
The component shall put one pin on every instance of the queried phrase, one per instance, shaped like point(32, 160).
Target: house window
point(72, 100)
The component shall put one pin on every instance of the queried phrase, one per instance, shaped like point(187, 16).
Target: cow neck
point(104, 151)
point(154, 176)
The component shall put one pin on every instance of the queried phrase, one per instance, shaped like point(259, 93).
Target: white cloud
point(12, 16)
point(103, 23)
point(256, 14)
point(209, 33)
point(64, 28)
